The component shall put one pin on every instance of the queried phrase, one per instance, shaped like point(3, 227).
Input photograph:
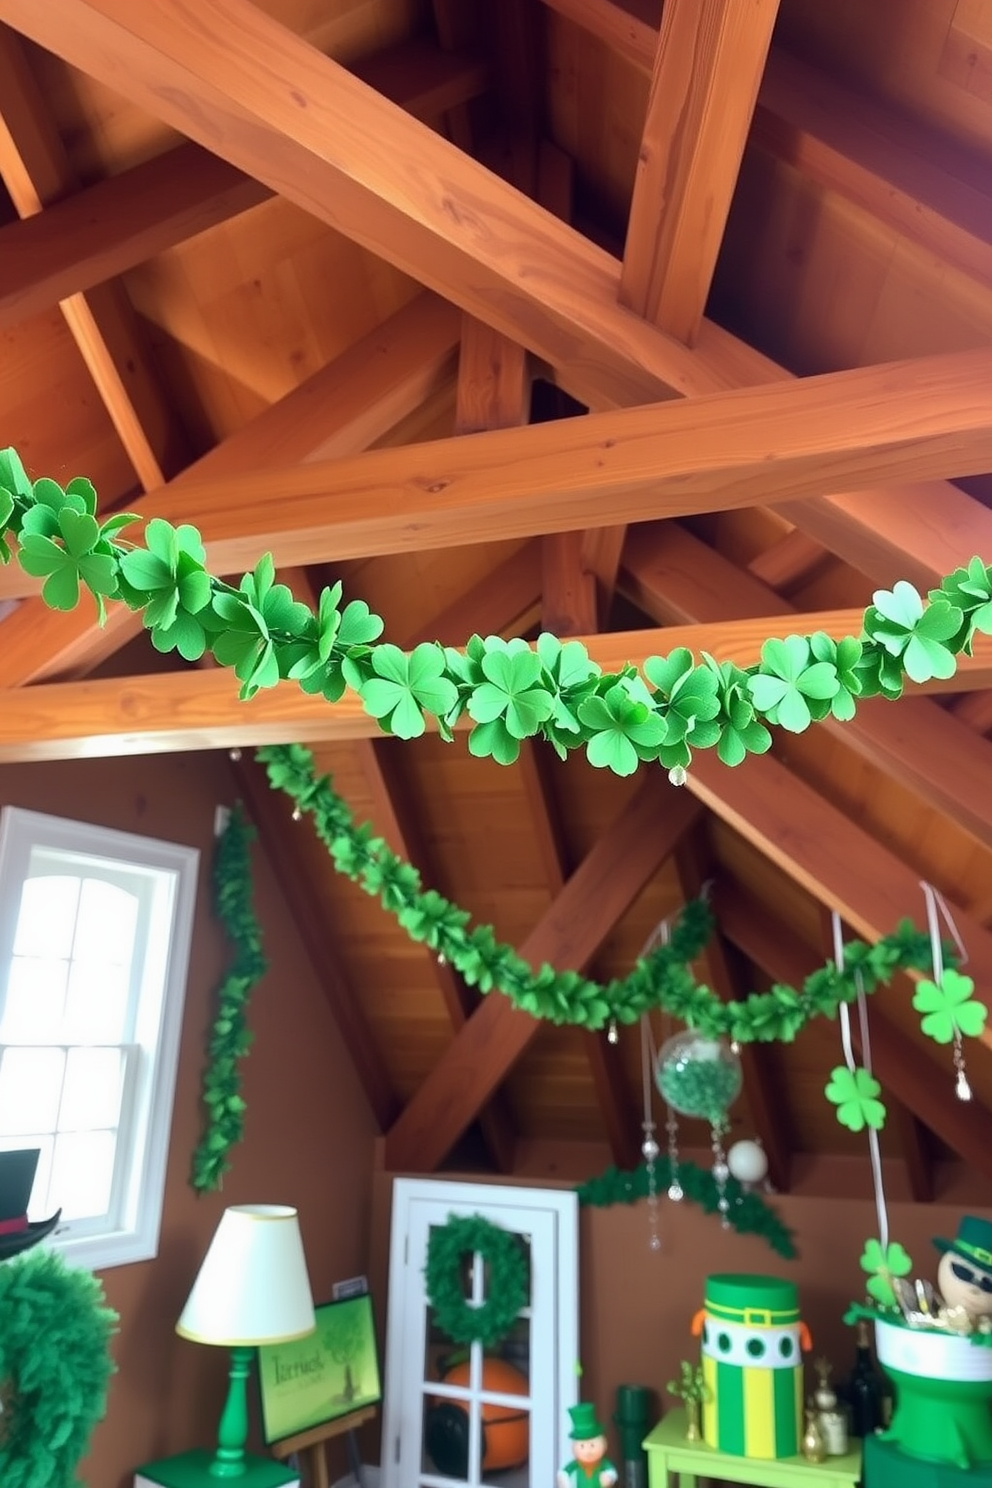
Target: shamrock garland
point(506, 1281)
point(230, 1039)
point(748, 1213)
point(661, 980)
point(509, 689)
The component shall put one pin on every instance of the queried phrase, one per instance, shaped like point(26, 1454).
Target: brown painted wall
point(309, 1133)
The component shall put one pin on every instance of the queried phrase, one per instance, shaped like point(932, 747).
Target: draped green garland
point(748, 1213)
point(230, 1039)
point(510, 690)
point(661, 980)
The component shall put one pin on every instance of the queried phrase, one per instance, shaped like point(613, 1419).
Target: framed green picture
point(328, 1374)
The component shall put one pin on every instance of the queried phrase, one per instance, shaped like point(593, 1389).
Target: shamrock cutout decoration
point(949, 1007)
point(855, 1094)
point(882, 1264)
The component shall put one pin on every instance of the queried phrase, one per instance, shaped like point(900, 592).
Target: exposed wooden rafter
point(676, 579)
point(200, 710)
point(340, 409)
point(704, 82)
point(36, 170)
point(568, 934)
point(721, 452)
point(828, 854)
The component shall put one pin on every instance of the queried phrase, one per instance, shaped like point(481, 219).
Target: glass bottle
point(865, 1390)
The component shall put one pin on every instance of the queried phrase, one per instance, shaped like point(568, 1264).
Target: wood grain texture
point(721, 452)
point(340, 409)
point(339, 150)
point(582, 915)
point(825, 852)
point(36, 170)
point(707, 68)
point(676, 579)
point(934, 193)
point(200, 710)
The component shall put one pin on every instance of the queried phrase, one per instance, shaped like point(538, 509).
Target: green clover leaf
point(881, 1265)
point(404, 687)
point(788, 680)
point(844, 656)
point(512, 690)
point(71, 562)
point(969, 590)
point(623, 731)
point(855, 1094)
point(949, 1007)
point(692, 695)
point(898, 621)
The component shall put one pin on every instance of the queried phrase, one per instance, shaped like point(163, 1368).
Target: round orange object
point(506, 1431)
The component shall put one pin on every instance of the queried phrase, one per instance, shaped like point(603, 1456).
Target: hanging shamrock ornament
point(855, 1093)
point(950, 1013)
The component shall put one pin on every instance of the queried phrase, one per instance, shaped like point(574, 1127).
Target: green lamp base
point(193, 1470)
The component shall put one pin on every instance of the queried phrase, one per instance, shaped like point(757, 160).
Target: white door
point(454, 1414)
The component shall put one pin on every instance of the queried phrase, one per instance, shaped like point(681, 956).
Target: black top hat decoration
point(17, 1233)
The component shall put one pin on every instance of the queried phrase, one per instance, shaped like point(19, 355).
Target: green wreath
point(54, 1368)
point(506, 1283)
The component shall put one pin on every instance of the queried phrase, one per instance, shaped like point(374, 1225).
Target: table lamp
point(252, 1289)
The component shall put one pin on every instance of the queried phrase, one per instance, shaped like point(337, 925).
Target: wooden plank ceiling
point(265, 267)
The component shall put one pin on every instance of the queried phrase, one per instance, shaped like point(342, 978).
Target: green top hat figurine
point(590, 1466)
point(17, 1233)
point(964, 1276)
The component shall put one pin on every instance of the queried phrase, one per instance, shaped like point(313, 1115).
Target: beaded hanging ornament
point(702, 1077)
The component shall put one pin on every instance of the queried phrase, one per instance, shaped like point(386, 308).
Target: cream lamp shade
point(253, 1286)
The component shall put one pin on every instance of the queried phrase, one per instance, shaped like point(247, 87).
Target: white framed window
point(95, 929)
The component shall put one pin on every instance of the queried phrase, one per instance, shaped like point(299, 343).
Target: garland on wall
point(748, 1213)
point(230, 1038)
point(510, 690)
point(661, 980)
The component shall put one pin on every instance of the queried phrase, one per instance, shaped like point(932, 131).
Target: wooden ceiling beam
point(721, 452)
point(771, 1126)
point(200, 710)
point(503, 602)
point(900, 172)
point(902, 1067)
point(93, 235)
point(568, 588)
point(828, 854)
point(677, 579)
point(36, 170)
point(340, 409)
point(419, 202)
point(595, 897)
point(394, 818)
point(926, 188)
point(707, 67)
point(272, 814)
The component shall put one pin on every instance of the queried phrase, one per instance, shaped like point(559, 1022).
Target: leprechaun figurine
point(591, 1467)
point(964, 1276)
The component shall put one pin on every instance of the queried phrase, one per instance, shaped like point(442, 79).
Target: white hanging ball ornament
point(650, 1149)
point(747, 1161)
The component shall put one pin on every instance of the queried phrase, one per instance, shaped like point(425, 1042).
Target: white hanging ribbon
point(874, 1151)
point(937, 906)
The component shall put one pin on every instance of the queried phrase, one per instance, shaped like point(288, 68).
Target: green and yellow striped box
point(752, 1343)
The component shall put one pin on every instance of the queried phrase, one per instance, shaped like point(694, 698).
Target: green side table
point(191, 1470)
point(674, 1462)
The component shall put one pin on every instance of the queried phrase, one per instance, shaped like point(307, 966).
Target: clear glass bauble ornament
point(699, 1076)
